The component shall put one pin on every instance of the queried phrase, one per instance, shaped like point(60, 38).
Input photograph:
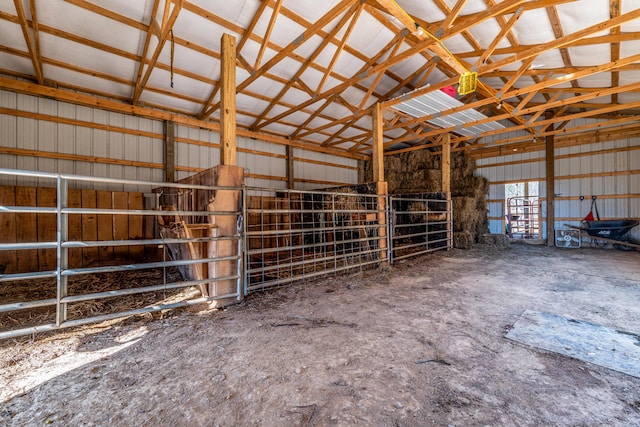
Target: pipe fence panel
point(72, 256)
point(298, 235)
point(418, 224)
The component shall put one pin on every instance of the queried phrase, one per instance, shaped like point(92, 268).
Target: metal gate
point(419, 223)
point(108, 248)
point(298, 235)
point(100, 254)
point(523, 218)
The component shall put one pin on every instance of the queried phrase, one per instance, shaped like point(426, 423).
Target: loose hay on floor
point(42, 289)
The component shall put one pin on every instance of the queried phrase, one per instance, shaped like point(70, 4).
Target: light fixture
point(499, 106)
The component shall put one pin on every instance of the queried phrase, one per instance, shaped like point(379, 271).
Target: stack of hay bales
point(420, 172)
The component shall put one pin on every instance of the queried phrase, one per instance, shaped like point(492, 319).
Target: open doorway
point(522, 207)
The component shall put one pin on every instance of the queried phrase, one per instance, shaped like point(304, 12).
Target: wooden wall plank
point(75, 228)
point(120, 225)
point(89, 227)
point(27, 232)
point(47, 227)
point(136, 231)
point(105, 226)
point(8, 227)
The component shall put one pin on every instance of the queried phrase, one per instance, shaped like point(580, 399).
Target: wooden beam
point(445, 159)
point(377, 157)
point(26, 32)
point(155, 114)
point(382, 190)
point(267, 34)
point(340, 48)
point(289, 49)
point(551, 180)
point(381, 73)
point(614, 11)
point(147, 40)
point(167, 25)
point(291, 176)
point(228, 101)
point(169, 151)
point(506, 29)
point(568, 40)
point(446, 164)
point(306, 65)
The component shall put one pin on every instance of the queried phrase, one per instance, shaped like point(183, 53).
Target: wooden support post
point(169, 151)
point(446, 163)
point(377, 156)
point(290, 168)
point(228, 101)
point(382, 189)
point(551, 184)
point(361, 173)
point(227, 226)
point(446, 181)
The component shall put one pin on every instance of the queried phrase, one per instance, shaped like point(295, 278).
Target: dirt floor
point(420, 344)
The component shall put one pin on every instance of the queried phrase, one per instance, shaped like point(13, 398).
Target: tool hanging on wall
point(173, 46)
point(594, 206)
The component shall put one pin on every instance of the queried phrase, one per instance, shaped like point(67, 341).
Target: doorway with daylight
point(522, 210)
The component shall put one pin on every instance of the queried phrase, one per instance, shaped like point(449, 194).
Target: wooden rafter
point(565, 41)
point(267, 34)
point(614, 12)
point(439, 48)
point(345, 18)
point(558, 32)
point(147, 40)
point(165, 30)
point(504, 31)
point(370, 68)
point(534, 88)
point(453, 14)
point(32, 46)
point(373, 85)
point(36, 36)
point(305, 36)
point(340, 47)
point(526, 64)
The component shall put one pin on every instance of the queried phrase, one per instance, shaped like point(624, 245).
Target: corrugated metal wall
point(608, 170)
point(318, 170)
point(45, 135)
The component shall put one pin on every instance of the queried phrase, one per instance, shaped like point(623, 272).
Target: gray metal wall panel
point(581, 167)
point(54, 137)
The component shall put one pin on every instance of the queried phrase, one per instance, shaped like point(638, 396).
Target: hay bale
point(470, 186)
point(500, 240)
point(462, 240)
point(463, 165)
point(465, 214)
point(418, 212)
point(344, 201)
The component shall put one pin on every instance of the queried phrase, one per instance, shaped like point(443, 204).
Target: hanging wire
point(173, 46)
